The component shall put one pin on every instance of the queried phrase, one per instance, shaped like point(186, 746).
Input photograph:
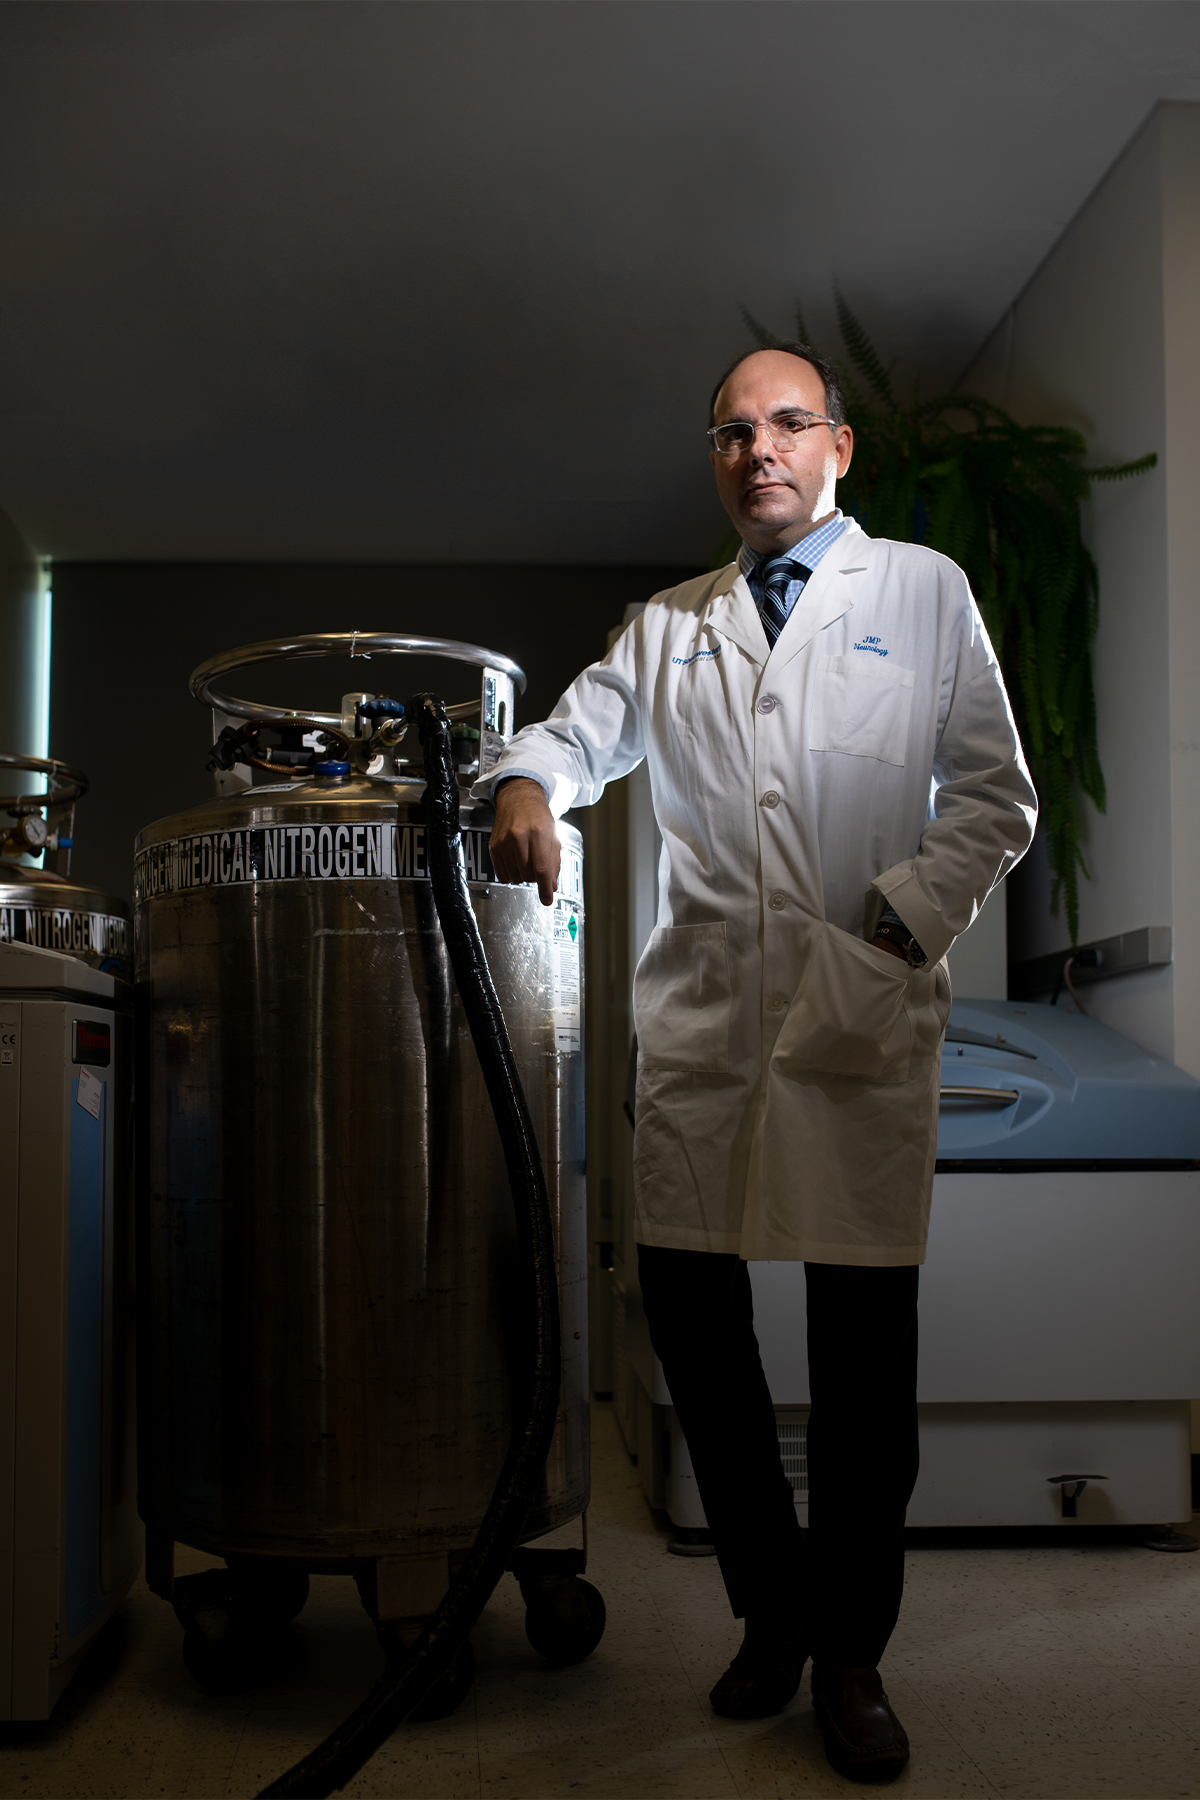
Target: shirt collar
point(808, 551)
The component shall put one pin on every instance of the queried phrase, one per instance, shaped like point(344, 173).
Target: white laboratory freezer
point(70, 1541)
point(1059, 1325)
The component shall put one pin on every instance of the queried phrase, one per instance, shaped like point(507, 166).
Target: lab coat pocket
point(852, 1013)
point(682, 999)
point(861, 707)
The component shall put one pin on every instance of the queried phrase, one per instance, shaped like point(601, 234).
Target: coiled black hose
point(535, 1406)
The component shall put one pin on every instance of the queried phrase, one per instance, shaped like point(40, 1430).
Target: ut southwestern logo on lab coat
point(875, 644)
point(697, 656)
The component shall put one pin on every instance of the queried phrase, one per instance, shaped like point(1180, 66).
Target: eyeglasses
point(785, 431)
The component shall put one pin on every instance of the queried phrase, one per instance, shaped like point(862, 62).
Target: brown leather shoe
point(863, 1737)
point(762, 1679)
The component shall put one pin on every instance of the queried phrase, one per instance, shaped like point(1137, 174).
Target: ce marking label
point(8, 1045)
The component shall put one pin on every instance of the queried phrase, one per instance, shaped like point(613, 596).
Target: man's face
point(775, 497)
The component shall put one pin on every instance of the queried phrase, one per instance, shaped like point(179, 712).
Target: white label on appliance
point(564, 977)
point(91, 1092)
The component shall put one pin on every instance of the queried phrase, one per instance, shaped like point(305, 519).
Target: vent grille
point(793, 1449)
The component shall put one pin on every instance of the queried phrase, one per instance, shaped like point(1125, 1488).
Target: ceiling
point(450, 281)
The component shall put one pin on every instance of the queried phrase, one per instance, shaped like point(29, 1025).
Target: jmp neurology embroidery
point(875, 644)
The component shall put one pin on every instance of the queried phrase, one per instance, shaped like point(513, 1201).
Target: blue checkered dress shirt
point(808, 553)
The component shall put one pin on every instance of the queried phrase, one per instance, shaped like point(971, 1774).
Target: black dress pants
point(840, 1583)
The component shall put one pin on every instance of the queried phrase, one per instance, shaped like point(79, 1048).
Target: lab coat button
point(766, 704)
point(777, 902)
point(770, 798)
point(777, 1002)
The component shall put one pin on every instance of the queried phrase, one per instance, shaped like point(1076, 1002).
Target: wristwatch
point(904, 940)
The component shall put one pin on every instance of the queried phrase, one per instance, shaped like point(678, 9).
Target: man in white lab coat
point(839, 784)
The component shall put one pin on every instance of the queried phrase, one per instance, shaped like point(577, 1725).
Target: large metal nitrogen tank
point(327, 1238)
point(42, 906)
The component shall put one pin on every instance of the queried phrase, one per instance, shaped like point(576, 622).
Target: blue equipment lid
point(1067, 1090)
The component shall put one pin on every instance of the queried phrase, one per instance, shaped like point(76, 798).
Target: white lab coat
point(787, 1091)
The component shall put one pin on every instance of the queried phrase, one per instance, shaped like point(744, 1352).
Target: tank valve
point(28, 837)
point(381, 708)
point(464, 747)
point(382, 723)
point(330, 773)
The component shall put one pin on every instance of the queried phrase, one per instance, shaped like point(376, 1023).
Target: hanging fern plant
point(1003, 500)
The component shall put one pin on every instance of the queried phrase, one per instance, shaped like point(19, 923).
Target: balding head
point(779, 486)
point(833, 402)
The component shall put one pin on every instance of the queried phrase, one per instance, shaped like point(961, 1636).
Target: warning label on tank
point(564, 977)
point(312, 853)
point(570, 872)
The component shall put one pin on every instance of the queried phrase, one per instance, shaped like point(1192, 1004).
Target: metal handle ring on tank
point(67, 784)
point(41, 906)
point(44, 822)
point(500, 677)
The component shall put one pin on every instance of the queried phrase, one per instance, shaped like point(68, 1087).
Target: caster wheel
point(230, 1642)
point(448, 1692)
point(205, 1603)
point(565, 1620)
point(269, 1587)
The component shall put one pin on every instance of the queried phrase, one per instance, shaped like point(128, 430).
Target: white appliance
point(70, 1541)
point(1060, 1337)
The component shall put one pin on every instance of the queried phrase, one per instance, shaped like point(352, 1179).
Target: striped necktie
point(777, 576)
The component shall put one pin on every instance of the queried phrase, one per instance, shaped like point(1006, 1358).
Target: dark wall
point(127, 636)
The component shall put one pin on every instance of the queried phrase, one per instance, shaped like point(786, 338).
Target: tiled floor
point(1040, 1673)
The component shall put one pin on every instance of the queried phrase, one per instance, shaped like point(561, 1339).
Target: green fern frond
point(1119, 471)
point(862, 352)
point(766, 340)
point(1003, 500)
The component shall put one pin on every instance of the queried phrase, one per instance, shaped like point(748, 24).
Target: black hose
point(535, 1406)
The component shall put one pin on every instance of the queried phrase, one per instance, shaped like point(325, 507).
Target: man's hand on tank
point(524, 841)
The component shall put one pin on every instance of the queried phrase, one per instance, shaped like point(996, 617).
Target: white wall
point(978, 960)
point(1180, 136)
point(1103, 339)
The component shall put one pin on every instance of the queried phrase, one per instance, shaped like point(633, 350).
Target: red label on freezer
point(91, 1042)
